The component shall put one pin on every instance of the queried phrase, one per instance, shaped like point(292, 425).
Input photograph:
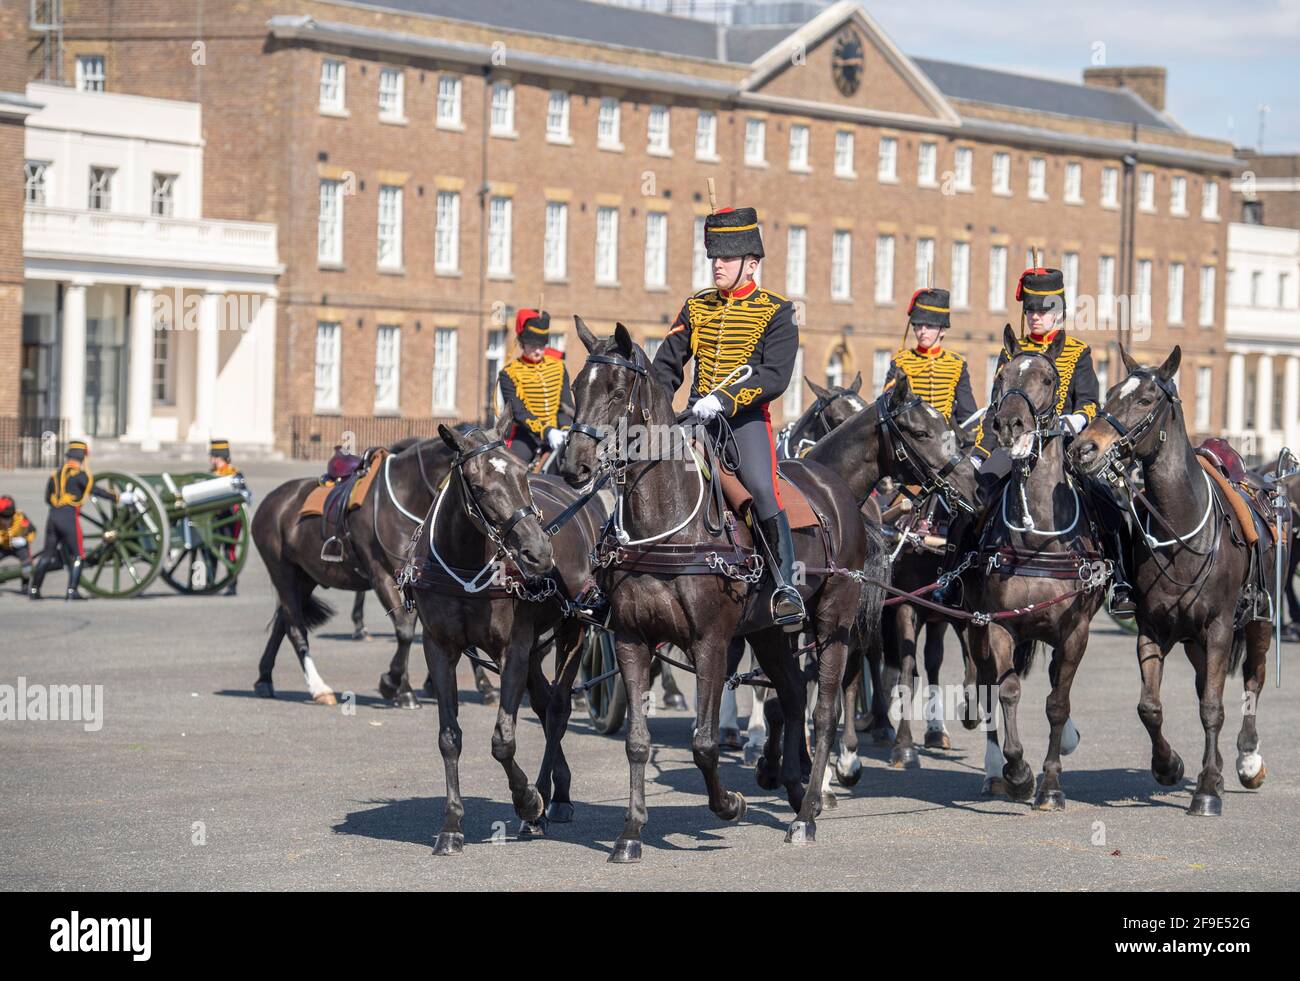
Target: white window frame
point(388, 367)
point(656, 250)
point(99, 191)
point(90, 73)
point(841, 264)
point(606, 246)
point(36, 182)
point(1037, 178)
point(1206, 296)
point(448, 111)
point(959, 278)
point(1177, 287)
point(162, 376)
point(658, 132)
point(998, 255)
point(927, 164)
point(389, 227)
point(887, 160)
point(1210, 200)
point(162, 194)
point(609, 123)
point(500, 236)
point(755, 142)
point(844, 150)
point(701, 266)
point(329, 223)
point(924, 260)
point(1204, 397)
point(1142, 283)
point(329, 342)
point(1178, 196)
point(445, 343)
point(792, 400)
point(333, 86)
point(1110, 187)
point(885, 249)
point(1070, 273)
point(1106, 287)
point(1002, 173)
point(706, 136)
point(796, 260)
point(800, 148)
point(1147, 190)
point(555, 242)
point(1073, 182)
point(963, 168)
point(502, 115)
point(392, 95)
point(557, 117)
point(880, 359)
point(446, 250)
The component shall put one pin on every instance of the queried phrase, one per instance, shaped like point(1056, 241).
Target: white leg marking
point(1249, 764)
point(1069, 738)
point(729, 717)
point(315, 683)
point(994, 761)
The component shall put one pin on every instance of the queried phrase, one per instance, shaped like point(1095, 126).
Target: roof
point(1040, 94)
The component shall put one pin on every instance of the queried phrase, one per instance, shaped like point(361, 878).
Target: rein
point(897, 445)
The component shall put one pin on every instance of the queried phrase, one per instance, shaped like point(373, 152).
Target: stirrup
point(335, 556)
point(793, 619)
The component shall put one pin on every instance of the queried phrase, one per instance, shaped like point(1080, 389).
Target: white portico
point(1263, 328)
point(142, 320)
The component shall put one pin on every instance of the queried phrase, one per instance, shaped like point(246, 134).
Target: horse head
point(1130, 423)
point(834, 406)
point(1025, 411)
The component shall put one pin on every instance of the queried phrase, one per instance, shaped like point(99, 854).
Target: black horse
point(1196, 586)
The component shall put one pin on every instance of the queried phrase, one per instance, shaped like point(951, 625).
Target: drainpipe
point(483, 391)
point(1128, 220)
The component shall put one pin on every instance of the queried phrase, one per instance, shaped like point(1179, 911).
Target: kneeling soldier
point(744, 340)
point(16, 535)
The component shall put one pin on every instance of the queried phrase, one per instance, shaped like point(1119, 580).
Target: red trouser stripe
point(771, 442)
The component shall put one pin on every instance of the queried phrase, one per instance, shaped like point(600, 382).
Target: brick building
point(432, 165)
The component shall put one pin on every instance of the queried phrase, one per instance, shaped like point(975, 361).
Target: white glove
point(18, 541)
point(555, 437)
point(706, 408)
point(976, 460)
point(1076, 422)
point(126, 498)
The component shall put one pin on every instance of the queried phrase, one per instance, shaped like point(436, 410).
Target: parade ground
point(188, 781)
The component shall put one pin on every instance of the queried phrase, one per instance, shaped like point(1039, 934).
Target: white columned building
point(1263, 339)
point(144, 323)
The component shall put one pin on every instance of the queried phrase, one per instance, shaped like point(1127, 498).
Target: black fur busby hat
point(219, 448)
point(929, 307)
point(1041, 289)
point(77, 450)
point(732, 232)
point(533, 325)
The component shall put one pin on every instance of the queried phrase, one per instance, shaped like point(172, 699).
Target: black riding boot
point(1121, 603)
point(42, 566)
point(74, 578)
point(787, 604)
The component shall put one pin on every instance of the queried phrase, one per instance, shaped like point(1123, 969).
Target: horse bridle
point(1129, 436)
point(1042, 420)
point(641, 376)
point(474, 510)
point(901, 449)
point(816, 414)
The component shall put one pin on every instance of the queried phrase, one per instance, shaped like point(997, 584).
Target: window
point(799, 137)
point(1037, 177)
point(1256, 288)
point(90, 73)
point(446, 250)
point(1106, 287)
point(1074, 183)
point(35, 181)
point(1204, 383)
point(499, 236)
point(656, 249)
point(998, 277)
point(1176, 278)
point(391, 93)
point(841, 264)
point(1103, 375)
point(1070, 273)
point(331, 86)
point(701, 268)
point(329, 228)
point(449, 101)
point(444, 370)
point(1001, 173)
point(884, 268)
point(706, 136)
point(1210, 200)
point(1252, 212)
point(924, 261)
point(927, 163)
point(100, 196)
point(755, 142)
point(1110, 187)
point(844, 154)
point(960, 280)
point(390, 227)
point(607, 245)
point(796, 261)
point(555, 246)
point(557, 339)
point(387, 366)
point(657, 133)
point(880, 369)
point(503, 109)
point(1147, 191)
point(162, 195)
point(162, 368)
point(963, 167)
point(991, 370)
point(607, 124)
point(1207, 296)
point(328, 337)
point(1178, 196)
point(835, 370)
point(1144, 291)
point(557, 117)
point(793, 398)
point(652, 346)
point(887, 163)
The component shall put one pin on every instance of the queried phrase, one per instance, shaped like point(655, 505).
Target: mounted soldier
point(535, 390)
point(937, 376)
point(744, 340)
point(67, 491)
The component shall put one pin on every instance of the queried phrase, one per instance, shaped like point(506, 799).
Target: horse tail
point(1024, 656)
point(1238, 649)
point(316, 612)
point(870, 596)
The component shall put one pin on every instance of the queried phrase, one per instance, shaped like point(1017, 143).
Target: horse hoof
point(829, 801)
point(994, 787)
point(559, 811)
point(625, 852)
point(263, 689)
point(850, 775)
point(676, 701)
point(387, 690)
point(1205, 805)
point(883, 737)
point(905, 758)
point(1251, 770)
point(937, 739)
point(449, 843)
point(325, 698)
point(1052, 800)
point(361, 633)
point(533, 805)
point(532, 829)
point(1020, 790)
point(801, 833)
point(406, 700)
point(730, 739)
point(1170, 776)
point(766, 780)
point(737, 805)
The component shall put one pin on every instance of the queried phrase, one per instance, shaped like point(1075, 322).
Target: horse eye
point(1145, 400)
point(618, 395)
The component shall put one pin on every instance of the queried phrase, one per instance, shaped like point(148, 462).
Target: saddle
point(1247, 494)
point(797, 508)
point(335, 497)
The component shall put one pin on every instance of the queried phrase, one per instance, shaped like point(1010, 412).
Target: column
point(1291, 404)
point(1236, 395)
point(139, 388)
point(72, 375)
point(205, 375)
point(264, 327)
point(1264, 421)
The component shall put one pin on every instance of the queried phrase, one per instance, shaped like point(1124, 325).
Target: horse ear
point(1058, 344)
point(856, 387)
point(1010, 343)
point(502, 427)
point(1130, 365)
point(454, 440)
point(584, 333)
point(623, 341)
point(1170, 367)
point(902, 390)
point(820, 392)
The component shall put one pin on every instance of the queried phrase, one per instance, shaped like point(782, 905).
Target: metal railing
point(314, 437)
point(32, 441)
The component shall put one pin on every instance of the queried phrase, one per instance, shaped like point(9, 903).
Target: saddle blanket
point(1241, 508)
point(797, 508)
point(315, 504)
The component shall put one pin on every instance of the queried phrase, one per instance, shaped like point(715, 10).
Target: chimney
point(1147, 82)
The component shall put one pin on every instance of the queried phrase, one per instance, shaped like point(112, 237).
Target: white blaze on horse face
point(857, 405)
point(499, 466)
point(1023, 446)
point(1129, 387)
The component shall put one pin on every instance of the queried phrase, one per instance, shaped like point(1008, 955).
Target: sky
point(1224, 59)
